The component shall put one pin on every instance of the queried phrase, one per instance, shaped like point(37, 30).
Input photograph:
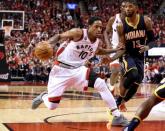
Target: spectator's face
point(130, 9)
point(96, 29)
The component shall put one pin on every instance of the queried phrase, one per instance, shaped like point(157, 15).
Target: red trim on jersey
point(56, 62)
point(54, 99)
point(85, 88)
point(60, 51)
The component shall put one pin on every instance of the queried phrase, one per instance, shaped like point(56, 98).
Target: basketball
point(43, 50)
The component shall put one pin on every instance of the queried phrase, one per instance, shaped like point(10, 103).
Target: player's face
point(97, 28)
point(122, 7)
point(130, 9)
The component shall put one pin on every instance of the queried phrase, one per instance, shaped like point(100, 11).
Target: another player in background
point(133, 33)
point(111, 33)
point(112, 41)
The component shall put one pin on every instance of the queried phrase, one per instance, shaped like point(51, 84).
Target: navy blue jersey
point(135, 36)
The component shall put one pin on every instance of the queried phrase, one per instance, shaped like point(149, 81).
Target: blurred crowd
point(154, 70)
point(44, 18)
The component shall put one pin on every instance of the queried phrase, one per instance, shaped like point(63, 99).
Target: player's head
point(95, 26)
point(122, 7)
point(131, 8)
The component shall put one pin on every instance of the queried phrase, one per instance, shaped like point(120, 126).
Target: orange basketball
point(43, 50)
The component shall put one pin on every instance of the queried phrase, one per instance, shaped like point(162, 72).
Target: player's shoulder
point(116, 16)
point(112, 19)
point(147, 19)
point(148, 22)
point(77, 32)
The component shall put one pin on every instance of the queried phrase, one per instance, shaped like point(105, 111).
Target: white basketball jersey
point(115, 37)
point(77, 53)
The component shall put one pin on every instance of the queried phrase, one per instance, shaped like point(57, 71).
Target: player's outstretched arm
point(105, 51)
point(73, 34)
point(117, 55)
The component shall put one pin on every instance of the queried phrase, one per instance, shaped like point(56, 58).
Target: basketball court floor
point(78, 111)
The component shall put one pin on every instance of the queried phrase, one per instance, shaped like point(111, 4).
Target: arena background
point(23, 23)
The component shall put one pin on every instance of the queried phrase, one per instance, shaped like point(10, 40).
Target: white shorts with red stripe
point(61, 78)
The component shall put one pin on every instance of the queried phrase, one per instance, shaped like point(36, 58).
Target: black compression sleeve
point(150, 38)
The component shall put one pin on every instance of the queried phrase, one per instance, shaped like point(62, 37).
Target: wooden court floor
point(78, 111)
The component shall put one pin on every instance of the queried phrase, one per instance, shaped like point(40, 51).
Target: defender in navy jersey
point(136, 35)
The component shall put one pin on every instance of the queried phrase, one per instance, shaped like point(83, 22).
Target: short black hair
point(132, 1)
point(93, 19)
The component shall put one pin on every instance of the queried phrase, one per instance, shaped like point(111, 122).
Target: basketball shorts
point(129, 63)
point(60, 79)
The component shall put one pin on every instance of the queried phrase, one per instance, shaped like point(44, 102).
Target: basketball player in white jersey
point(111, 31)
point(69, 69)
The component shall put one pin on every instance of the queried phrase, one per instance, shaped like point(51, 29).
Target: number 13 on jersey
point(136, 43)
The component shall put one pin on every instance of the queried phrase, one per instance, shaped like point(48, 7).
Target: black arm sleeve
point(150, 38)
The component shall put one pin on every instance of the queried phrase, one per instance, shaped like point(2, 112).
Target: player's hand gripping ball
point(43, 50)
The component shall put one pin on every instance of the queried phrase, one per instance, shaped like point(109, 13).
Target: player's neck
point(133, 19)
point(91, 37)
